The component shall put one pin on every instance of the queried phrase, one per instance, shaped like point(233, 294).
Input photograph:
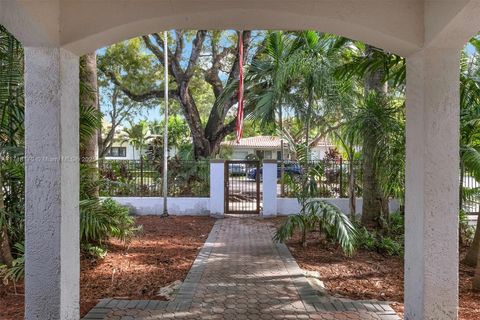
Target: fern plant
point(100, 220)
point(329, 219)
point(17, 270)
point(314, 213)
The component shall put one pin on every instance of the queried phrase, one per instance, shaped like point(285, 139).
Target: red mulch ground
point(162, 253)
point(370, 275)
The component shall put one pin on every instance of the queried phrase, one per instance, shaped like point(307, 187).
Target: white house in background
point(122, 151)
point(269, 147)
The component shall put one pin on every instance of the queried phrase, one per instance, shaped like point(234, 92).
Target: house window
point(117, 152)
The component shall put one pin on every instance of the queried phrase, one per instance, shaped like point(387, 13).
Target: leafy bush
point(390, 246)
point(330, 220)
point(366, 239)
point(396, 224)
point(94, 251)
point(17, 270)
point(373, 241)
point(100, 220)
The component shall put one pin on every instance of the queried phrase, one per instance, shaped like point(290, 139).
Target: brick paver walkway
point(241, 274)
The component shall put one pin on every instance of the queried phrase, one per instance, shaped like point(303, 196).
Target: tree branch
point(197, 47)
point(180, 45)
point(138, 97)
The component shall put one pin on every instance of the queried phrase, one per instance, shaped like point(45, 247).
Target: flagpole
point(165, 134)
point(239, 125)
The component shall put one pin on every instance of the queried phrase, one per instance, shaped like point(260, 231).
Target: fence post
point(269, 186)
point(141, 176)
point(217, 187)
point(341, 178)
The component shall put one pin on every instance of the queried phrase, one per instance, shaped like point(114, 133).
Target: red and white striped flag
point(240, 89)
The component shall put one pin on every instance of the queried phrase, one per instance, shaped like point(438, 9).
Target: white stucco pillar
point(432, 178)
point(269, 188)
point(52, 184)
point(217, 188)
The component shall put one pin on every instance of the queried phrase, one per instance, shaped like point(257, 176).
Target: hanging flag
point(240, 89)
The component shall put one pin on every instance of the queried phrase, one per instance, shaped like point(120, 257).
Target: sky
point(156, 113)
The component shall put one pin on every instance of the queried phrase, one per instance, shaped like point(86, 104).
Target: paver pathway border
point(313, 301)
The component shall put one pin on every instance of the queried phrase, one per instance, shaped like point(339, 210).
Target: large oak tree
point(211, 56)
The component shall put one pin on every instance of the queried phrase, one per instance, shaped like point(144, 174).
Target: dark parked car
point(237, 169)
point(290, 168)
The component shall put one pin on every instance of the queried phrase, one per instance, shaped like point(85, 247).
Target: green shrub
point(396, 226)
point(390, 246)
point(366, 239)
point(100, 220)
point(373, 241)
point(17, 270)
point(330, 220)
point(94, 251)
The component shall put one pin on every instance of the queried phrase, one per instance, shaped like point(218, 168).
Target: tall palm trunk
point(282, 165)
point(372, 196)
point(307, 135)
point(472, 255)
point(89, 99)
point(476, 277)
point(372, 199)
point(5, 249)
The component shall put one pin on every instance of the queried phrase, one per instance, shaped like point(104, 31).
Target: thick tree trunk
point(372, 200)
point(89, 99)
point(476, 278)
point(372, 195)
point(5, 249)
point(201, 145)
point(472, 254)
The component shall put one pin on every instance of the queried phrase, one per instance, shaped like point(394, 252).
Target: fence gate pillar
point(269, 188)
point(217, 188)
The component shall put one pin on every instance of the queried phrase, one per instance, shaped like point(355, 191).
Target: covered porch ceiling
point(399, 26)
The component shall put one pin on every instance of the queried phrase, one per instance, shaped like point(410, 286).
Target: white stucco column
point(269, 188)
point(432, 178)
point(52, 184)
point(217, 188)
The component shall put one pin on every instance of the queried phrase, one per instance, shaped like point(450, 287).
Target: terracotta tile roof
point(262, 142)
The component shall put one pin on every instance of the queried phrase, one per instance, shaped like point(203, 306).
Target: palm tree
point(379, 119)
point(347, 141)
point(90, 119)
point(271, 73)
point(315, 213)
point(138, 135)
point(375, 68)
point(317, 91)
